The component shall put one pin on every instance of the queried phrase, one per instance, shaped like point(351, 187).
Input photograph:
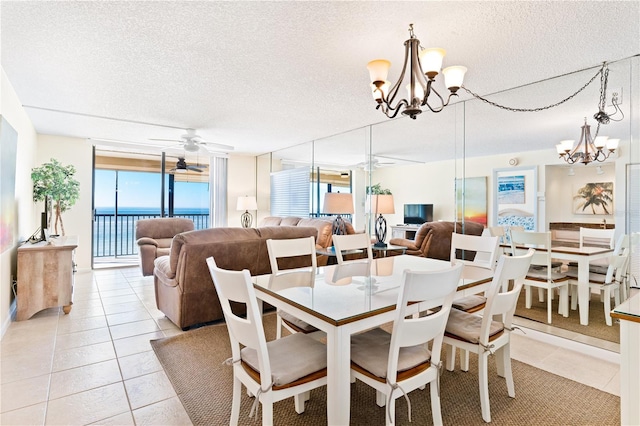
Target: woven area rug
point(194, 363)
point(597, 326)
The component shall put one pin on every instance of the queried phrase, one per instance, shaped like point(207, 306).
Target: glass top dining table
point(351, 298)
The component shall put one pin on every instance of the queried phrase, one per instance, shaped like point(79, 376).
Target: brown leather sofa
point(433, 239)
point(183, 286)
point(324, 225)
point(154, 237)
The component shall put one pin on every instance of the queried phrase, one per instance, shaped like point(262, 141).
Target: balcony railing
point(115, 235)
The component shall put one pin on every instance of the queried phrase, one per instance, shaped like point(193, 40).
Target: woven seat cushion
point(537, 272)
point(292, 357)
point(469, 302)
point(598, 269)
point(307, 328)
point(594, 277)
point(370, 350)
point(466, 326)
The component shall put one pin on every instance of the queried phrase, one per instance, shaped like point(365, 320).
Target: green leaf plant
point(53, 183)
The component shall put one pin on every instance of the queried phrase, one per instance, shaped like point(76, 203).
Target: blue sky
point(140, 189)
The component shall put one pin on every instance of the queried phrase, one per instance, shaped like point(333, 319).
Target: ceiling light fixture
point(424, 65)
point(587, 149)
point(599, 170)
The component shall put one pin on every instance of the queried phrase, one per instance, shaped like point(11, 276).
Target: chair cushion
point(307, 328)
point(370, 350)
point(292, 357)
point(594, 277)
point(467, 326)
point(598, 269)
point(540, 273)
point(469, 302)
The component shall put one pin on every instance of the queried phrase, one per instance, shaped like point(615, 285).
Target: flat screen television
point(417, 214)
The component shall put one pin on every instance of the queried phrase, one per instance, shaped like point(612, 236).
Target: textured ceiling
point(262, 76)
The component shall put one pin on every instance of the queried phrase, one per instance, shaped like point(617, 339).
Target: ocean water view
point(114, 235)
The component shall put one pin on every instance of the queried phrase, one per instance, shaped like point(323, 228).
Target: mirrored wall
point(454, 159)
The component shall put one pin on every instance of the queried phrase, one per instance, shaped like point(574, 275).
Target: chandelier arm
point(442, 102)
point(475, 95)
point(394, 90)
point(396, 109)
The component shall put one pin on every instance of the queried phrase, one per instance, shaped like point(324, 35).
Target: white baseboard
point(9, 319)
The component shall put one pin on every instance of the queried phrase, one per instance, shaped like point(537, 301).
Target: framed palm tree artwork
point(593, 199)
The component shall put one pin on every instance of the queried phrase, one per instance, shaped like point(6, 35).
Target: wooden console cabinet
point(45, 276)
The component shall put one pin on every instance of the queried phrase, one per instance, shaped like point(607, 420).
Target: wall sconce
point(246, 203)
point(338, 203)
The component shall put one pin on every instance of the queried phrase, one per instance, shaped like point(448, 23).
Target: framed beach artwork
point(515, 197)
point(471, 198)
point(593, 198)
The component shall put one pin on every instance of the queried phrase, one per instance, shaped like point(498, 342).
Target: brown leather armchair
point(154, 237)
point(433, 239)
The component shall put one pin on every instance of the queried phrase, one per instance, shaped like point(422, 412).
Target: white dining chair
point(280, 250)
point(397, 363)
point(271, 371)
point(490, 333)
point(361, 241)
point(484, 252)
point(542, 274)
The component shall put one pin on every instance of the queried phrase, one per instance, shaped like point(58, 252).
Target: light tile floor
point(96, 366)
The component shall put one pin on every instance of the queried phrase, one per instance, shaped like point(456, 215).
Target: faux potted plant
point(54, 184)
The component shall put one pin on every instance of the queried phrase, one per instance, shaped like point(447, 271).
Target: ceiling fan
point(191, 142)
point(373, 164)
point(183, 167)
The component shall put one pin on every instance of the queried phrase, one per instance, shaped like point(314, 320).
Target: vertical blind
point(218, 185)
point(290, 192)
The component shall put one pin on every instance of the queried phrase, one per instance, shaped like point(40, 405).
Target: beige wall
point(78, 219)
point(241, 180)
point(11, 109)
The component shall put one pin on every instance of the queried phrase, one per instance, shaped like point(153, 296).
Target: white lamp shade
point(418, 91)
point(567, 145)
point(431, 59)
point(247, 203)
point(613, 144)
point(601, 141)
point(560, 148)
point(454, 76)
point(378, 69)
point(382, 204)
point(338, 203)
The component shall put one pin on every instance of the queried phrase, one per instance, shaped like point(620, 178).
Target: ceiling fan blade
point(194, 168)
point(216, 146)
point(166, 140)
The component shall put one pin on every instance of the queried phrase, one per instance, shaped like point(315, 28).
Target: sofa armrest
point(163, 270)
point(146, 240)
point(409, 244)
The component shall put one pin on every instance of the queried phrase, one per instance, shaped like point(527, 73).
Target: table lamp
point(338, 203)
point(246, 203)
point(381, 204)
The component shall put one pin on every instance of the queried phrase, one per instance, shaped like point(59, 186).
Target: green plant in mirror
point(377, 190)
point(54, 183)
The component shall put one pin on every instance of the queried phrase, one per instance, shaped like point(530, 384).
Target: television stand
point(408, 232)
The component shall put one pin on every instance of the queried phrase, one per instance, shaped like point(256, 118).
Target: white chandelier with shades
point(423, 67)
point(587, 150)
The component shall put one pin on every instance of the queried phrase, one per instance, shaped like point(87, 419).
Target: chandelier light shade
point(587, 150)
point(381, 204)
point(422, 66)
point(338, 203)
point(246, 203)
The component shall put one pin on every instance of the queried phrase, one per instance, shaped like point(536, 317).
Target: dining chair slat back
point(542, 274)
point(281, 279)
point(485, 248)
point(490, 333)
point(397, 364)
point(258, 365)
point(360, 241)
